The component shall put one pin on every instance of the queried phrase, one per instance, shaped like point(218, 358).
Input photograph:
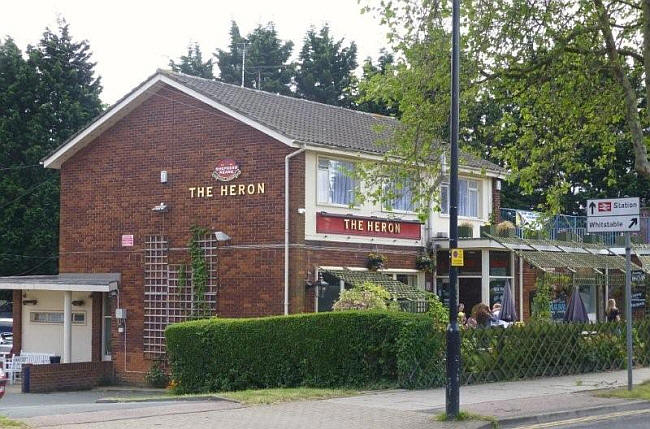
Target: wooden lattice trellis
point(166, 299)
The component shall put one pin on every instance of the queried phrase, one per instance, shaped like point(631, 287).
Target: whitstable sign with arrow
point(613, 215)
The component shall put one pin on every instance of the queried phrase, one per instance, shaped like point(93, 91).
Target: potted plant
point(425, 262)
point(466, 230)
point(376, 261)
point(506, 229)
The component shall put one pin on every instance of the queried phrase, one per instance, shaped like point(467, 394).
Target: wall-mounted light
point(301, 211)
point(498, 184)
point(221, 236)
point(161, 208)
point(163, 176)
point(30, 301)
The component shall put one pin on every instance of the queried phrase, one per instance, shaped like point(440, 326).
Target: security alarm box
point(120, 313)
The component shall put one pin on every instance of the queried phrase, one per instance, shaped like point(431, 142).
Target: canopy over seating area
point(552, 255)
point(409, 297)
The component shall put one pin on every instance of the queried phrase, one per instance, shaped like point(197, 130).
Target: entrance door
point(469, 292)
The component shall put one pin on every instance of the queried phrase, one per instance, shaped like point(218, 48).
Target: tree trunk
point(641, 163)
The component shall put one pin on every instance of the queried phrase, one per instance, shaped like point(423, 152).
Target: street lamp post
point(452, 392)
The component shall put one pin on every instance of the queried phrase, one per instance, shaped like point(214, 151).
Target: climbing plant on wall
point(199, 270)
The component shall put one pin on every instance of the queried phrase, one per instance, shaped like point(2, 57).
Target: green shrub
point(367, 296)
point(156, 376)
point(345, 348)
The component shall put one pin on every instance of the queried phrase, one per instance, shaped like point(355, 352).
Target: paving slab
point(294, 415)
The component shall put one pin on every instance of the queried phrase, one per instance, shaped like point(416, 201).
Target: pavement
point(529, 403)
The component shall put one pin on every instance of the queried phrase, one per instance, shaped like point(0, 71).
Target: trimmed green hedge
point(361, 348)
point(350, 348)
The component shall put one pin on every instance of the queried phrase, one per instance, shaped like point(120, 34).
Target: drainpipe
point(67, 326)
point(286, 227)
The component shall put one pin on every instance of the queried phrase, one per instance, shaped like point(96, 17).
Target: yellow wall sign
point(457, 258)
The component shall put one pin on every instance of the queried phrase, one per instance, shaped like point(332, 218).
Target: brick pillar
point(496, 200)
point(17, 321)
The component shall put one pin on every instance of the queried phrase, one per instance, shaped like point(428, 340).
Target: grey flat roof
point(76, 282)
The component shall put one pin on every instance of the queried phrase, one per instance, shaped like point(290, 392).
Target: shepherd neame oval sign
point(226, 170)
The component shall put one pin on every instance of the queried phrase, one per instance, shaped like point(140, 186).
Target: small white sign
point(613, 224)
point(127, 240)
point(613, 207)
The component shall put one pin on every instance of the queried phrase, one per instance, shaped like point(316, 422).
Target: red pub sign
point(329, 223)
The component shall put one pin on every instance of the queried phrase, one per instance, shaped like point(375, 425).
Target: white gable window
point(335, 186)
point(467, 198)
point(403, 197)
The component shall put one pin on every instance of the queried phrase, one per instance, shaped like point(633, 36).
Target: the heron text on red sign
point(367, 226)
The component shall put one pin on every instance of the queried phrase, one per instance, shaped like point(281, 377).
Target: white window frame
point(385, 209)
point(57, 322)
point(318, 196)
point(478, 198)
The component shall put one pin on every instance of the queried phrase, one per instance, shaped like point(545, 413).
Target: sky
point(131, 39)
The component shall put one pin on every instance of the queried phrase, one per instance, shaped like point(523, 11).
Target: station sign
point(613, 207)
point(613, 215)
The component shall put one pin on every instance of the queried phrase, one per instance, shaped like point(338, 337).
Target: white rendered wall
point(48, 337)
point(440, 222)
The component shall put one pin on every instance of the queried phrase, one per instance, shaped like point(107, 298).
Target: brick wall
point(65, 376)
point(529, 283)
point(109, 188)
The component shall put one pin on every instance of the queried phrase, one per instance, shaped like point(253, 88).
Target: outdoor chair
point(14, 366)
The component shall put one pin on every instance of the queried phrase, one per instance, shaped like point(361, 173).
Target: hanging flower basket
point(424, 262)
point(376, 261)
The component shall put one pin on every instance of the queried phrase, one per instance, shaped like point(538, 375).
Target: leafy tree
point(193, 63)
point(540, 93)
point(325, 69)
point(541, 310)
point(267, 64)
point(366, 101)
point(46, 96)
point(229, 61)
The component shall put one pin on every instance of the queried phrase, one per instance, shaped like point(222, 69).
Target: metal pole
point(243, 61)
point(452, 392)
point(628, 307)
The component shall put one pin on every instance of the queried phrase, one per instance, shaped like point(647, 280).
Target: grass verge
point(248, 397)
point(273, 396)
point(8, 423)
point(464, 416)
point(640, 391)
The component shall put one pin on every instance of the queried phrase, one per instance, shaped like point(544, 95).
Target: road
point(634, 419)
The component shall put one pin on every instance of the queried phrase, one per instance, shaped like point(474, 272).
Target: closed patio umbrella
point(575, 309)
point(508, 312)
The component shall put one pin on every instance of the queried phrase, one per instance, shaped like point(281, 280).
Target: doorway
point(469, 292)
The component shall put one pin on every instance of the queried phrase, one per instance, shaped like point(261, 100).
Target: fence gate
point(168, 293)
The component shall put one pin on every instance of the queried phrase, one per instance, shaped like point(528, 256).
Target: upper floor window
point(401, 197)
point(335, 185)
point(467, 198)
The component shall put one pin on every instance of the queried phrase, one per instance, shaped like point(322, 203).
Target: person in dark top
point(612, 313)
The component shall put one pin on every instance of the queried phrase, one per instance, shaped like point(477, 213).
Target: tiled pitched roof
point(307, 121)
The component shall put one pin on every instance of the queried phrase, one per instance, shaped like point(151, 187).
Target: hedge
point(350, 348)
point(361, 348)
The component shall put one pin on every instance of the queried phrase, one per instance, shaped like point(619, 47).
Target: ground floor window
point(78, 317)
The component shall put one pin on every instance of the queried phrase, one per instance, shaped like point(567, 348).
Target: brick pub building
point(180, 151)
